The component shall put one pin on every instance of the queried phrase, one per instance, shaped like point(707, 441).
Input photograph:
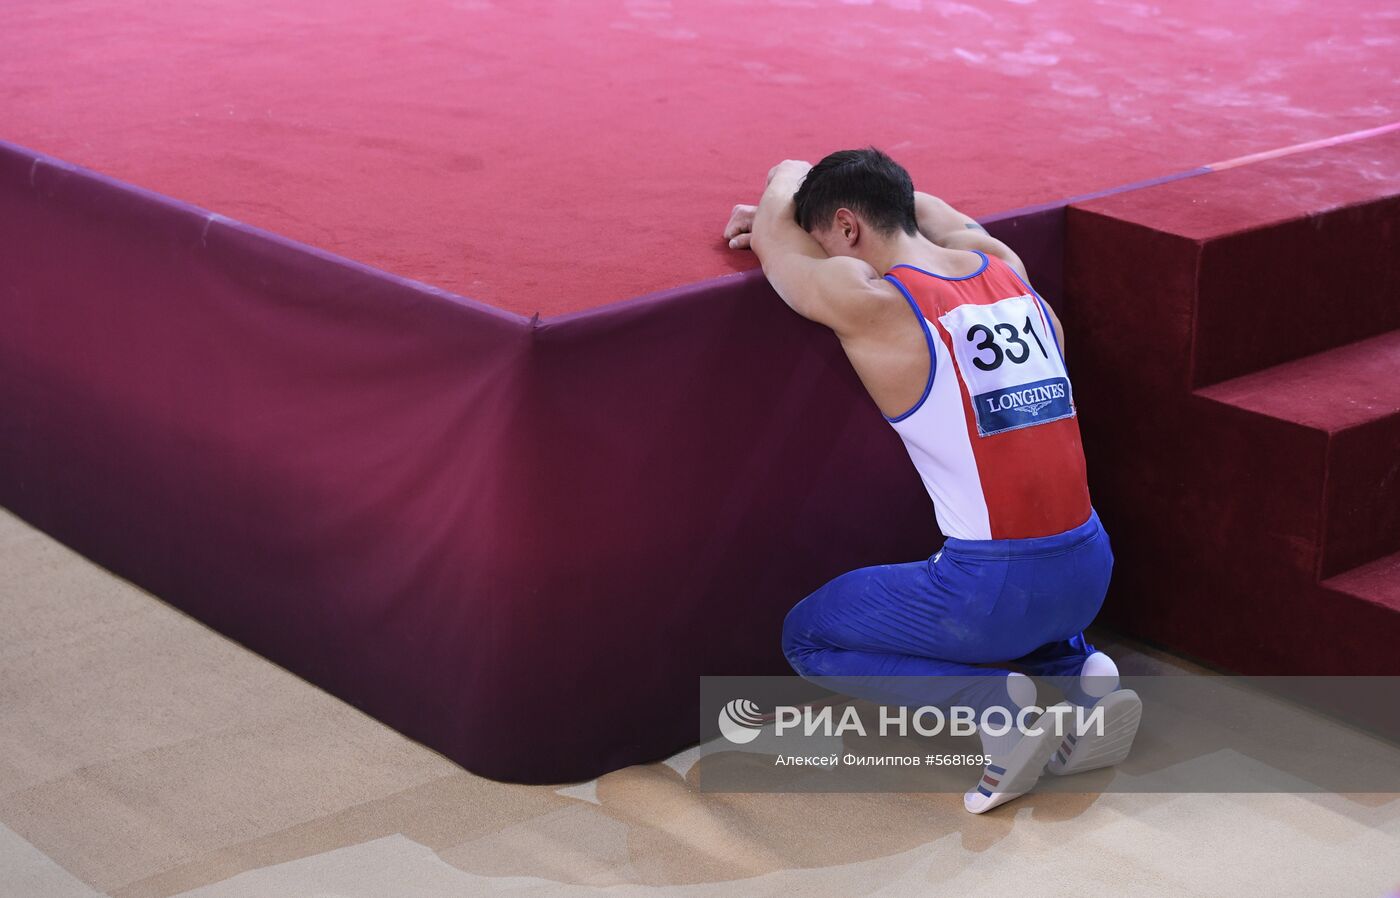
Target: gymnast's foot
point(1014, 773)
point(1017, 758)
point(1095, 744)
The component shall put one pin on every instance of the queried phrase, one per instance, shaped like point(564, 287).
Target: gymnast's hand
point(740, 227)
point(793, 170)
point(739, 231)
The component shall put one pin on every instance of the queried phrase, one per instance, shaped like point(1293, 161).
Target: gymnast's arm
point(946, 226)
point(816, 286)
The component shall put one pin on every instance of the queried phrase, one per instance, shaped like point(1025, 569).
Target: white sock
point(1099, 676)
point(1020, 690)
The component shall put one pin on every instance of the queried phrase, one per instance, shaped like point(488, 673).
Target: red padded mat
point(557, 156)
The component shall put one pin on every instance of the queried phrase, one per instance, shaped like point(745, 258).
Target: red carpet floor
point(554, 157)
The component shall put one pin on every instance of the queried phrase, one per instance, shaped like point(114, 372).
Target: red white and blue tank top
point(994, 437)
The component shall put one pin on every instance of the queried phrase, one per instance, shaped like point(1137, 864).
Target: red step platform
point(1235, 339)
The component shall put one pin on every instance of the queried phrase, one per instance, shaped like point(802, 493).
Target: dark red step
point(1344, 408)
point(1262, 264)
point(1377, 585)
point(1235, 345)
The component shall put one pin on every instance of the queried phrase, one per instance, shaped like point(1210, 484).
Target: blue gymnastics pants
point(1020, 602)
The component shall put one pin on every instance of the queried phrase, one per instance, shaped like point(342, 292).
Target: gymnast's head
point(854, 202)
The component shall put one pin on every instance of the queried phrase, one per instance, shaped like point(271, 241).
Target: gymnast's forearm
point(776, 205)
point(938, 220)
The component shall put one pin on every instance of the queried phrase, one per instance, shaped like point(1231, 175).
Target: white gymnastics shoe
point(1016, 773)
point(1091, 748)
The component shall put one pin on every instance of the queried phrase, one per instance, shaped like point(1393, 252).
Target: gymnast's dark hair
point(867, 182)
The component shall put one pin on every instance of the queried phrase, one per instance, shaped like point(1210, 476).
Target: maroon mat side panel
point(311, 457)
point(702, 460)
point(1038, 237)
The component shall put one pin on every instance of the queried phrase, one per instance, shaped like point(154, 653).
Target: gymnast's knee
point(797, 642)
point(805, 641)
